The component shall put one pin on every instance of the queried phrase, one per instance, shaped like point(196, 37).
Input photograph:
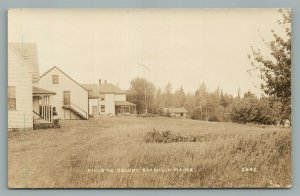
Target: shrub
point(54, 125)
point(252, 110)
point(155, 136)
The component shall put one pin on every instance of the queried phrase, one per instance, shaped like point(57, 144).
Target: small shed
point(178, 112)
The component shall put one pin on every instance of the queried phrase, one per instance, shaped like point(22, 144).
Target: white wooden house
point(94, 99)
point(26, 102)
point(108, 99)
point(71, 99)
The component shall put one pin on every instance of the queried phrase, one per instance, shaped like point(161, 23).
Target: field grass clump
point(155, 136)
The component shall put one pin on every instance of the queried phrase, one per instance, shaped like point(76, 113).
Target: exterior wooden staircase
point(77, 110)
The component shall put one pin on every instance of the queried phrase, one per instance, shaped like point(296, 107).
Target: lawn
point(112, 152)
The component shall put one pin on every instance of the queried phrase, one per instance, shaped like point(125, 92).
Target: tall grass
point(74, 155)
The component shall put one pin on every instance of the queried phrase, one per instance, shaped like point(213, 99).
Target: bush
point(156, 136)
point(144, 115)
point(54, 125)
point(252, 110)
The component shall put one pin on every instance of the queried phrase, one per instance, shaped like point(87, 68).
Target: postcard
point(149, 98)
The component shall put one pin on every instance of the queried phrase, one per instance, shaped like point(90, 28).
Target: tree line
point(273, 68)
point(203, 104)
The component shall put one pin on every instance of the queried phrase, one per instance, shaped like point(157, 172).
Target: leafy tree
point(168, 101)
point(158, 99)
point(225, 99)
point(190, 103)
point(249, 94)
point(252, 110)
point(275, 69)
point(142, 93)
point(179, 97)
point(218, 114)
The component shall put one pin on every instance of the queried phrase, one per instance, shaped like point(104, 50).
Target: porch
point(125, 108)
point(42, 109)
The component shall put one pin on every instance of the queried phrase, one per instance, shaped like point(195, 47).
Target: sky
point(183, 46)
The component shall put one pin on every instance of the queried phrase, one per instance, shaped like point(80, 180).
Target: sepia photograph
point(149, 98)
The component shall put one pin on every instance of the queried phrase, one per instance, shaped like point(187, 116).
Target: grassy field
point(84, 153)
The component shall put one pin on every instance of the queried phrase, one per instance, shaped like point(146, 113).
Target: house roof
point(96, 90)
point(37, 90)
point(176, 110)
point(93, 90)
point(124, 103)
point(110, 88)
point(28, 53)
point(55, 67)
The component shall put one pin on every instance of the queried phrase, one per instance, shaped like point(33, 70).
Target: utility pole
point(201, 112)
point(145, 89)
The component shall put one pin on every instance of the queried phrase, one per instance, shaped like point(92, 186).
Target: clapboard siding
point(19, 76)
point(121, 97)
point(93, 103)
point(79, 96)
point(109, 102)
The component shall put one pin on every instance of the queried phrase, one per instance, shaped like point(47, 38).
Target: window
point(11, 98)
point(102, 108)
point(102, 97)
point(54, 79)
point(126, 109)
point(67, 97)
point(94, 110)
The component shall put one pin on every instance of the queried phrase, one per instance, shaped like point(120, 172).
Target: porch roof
point(124, 103)
point(40, 91)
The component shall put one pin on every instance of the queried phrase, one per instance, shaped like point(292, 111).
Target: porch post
point(46, 112)
point(48, 116)
point(50, 107)
point(43, 108)
point(45, 103)
point(46, 100)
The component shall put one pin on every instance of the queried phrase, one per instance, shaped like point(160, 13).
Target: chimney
point(105, 81)
point(99, 82)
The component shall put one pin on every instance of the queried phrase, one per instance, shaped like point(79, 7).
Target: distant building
point(71, 99)
point(286, 123)
point(26, 101)
point(108, 99)
point(175, 112)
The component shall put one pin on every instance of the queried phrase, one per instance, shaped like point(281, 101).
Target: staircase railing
point(77, 109)
point(80, 110)
point(37, 114)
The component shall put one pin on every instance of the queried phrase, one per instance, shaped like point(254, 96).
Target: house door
point(67, 98)
point(95, 110)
